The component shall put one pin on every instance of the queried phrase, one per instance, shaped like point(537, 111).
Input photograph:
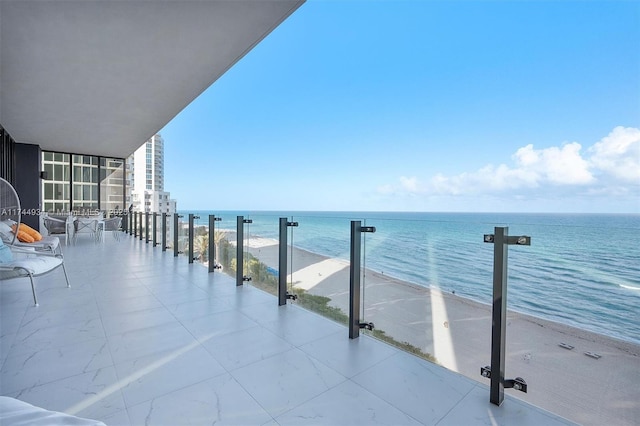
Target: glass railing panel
point(318, 259)
point(580, 281)
point(405, 290)
point(201, 241)
point(158, 230)
point(183, 234)
point(141, 226)
point(572, 296)
point(261, 245)
point(226, 232)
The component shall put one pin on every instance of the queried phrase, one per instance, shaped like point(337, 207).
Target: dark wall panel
point(7, 155)
point(27, 182)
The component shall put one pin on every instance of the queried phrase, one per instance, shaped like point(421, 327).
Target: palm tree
point(217, 237)
point(200, 246)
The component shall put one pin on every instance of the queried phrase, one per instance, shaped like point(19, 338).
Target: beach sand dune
point(457, 331)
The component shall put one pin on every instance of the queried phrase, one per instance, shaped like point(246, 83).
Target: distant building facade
point(145, 179)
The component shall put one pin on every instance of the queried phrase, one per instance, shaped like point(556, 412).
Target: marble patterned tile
point(217, 324)
point(348, 356)
point(269, 311)
point(11, 317)
point(109, 307)
point(110, 292)
point(219, 401)
point(60, 297)
point(198, 308)
point(6, 342)
point(179, 294)
point(346, 404)
point(475, 409)
point(148, 341)
point(150, 377)
point(303, 327)
point(130, 321)
point(117, 418)
point(57, 336)
point(50, 316)
point(35, 368)
point(92, 395)
point(247, 295)
point(406, 382)
point(16, 293)
point(244, 347)
point(286, 380)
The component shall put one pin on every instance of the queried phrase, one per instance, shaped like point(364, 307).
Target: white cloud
point(555, 165)
point(606, 167)
point(618, 154)
point(409, 184)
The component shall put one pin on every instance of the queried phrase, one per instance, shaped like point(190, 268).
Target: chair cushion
point(50, 243)
point(5, 253)
point(29, 231)
point(24, 237)
point(16, 413)
point(5, 230)
point(36, 264)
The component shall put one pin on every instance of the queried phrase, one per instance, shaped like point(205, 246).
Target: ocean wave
point(629, 287)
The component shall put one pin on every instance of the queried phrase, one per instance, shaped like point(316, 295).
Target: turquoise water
point(582, 270)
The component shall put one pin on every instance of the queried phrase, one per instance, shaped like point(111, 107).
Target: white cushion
point(5, 230)
point(36, 264)
point(50, 243)
point(18, 413)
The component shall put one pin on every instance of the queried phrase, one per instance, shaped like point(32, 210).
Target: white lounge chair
point(22, 261)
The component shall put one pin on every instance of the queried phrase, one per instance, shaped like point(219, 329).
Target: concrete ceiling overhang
point(101, 77)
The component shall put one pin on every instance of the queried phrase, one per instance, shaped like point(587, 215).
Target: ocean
point(581, 269)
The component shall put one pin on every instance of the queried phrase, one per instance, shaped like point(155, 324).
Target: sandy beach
point(457, 331)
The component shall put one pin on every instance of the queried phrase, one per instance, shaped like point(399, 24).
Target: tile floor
point(143, 338)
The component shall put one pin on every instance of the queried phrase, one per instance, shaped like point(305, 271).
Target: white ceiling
point(101, 77)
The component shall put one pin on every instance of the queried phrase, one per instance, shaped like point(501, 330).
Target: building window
point(79, 182)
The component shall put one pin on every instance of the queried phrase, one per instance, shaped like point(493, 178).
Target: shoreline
point(260, 242)
point(457, 331)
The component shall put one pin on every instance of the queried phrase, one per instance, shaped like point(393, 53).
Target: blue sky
point(422, 106)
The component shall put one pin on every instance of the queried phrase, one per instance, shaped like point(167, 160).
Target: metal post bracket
point(367, 325)
point(518, 383)
point(522, 240)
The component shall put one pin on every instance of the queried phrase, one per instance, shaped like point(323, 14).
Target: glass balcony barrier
point(427, 287)
point(572, 329)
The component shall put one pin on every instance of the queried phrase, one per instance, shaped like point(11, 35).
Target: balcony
point(143, 337)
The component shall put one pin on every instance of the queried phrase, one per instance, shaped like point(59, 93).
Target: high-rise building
point(145, 178)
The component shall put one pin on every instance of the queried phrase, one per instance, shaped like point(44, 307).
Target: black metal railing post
point(155, 229)
point(176, 251)
point(164, 232)
point(191, 235)
point(146, 227)
point(501, 241)
point(130, 218)
point(135, 224)
point(282, 263)
point(240, 277)
point(354, 279)
point(212, 242)
point(141, 235)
